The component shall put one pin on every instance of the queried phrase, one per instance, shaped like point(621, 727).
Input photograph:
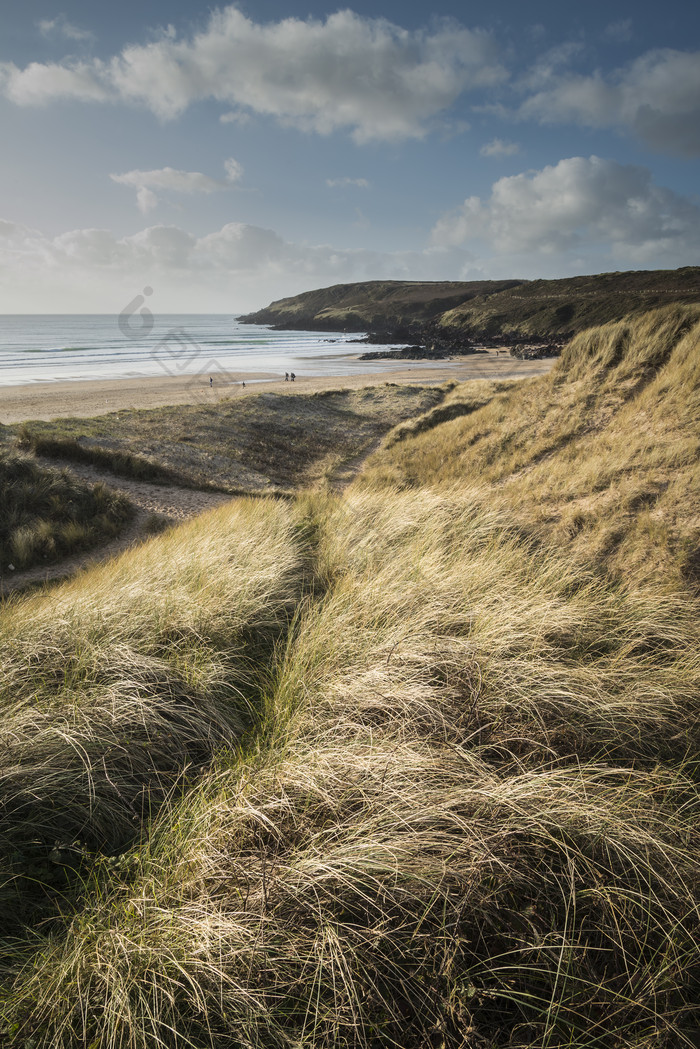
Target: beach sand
point(53, 400)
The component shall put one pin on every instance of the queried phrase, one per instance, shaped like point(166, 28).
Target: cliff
point(517, 309)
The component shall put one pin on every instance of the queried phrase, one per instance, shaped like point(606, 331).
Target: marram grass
point(431, 780)
point(46, 514)
point(114, 685)
point(386, 896)
point(600, 456)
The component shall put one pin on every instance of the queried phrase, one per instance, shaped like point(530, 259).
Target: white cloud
point(657, 96)
point(234, 170)
point(579, 215)
point(146, 200)
point(497, 147)
point(577, 206)
point(238, 267)
point(11, 231)
point(144, 182)
point(60, 26)
point(364, 75)
point(162, 247)
point(550, 61)
point(38, 83)
point(235, 116)
point(341, 183)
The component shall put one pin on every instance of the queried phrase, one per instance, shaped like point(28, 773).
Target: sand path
point(169, 502)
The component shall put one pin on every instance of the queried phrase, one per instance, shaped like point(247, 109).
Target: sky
point(228, 156)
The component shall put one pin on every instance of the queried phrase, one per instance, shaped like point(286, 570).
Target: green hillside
point(374, 303)
point(478, 309)
point(412, 765)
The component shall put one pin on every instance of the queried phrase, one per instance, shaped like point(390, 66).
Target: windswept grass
point(117, 685)
point(445, 621)
point(46, 514)
point(417, 775)
point(470, 811)
point(388, 896)
point(601, 455)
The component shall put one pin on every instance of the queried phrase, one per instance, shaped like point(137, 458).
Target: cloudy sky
point(229, 155)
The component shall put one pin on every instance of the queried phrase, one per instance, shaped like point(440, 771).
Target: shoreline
point(93, 397)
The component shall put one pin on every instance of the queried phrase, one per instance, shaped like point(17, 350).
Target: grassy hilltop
point(411, 765)
point(481, 309)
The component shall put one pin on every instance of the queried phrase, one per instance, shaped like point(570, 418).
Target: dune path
point(166, 502)
point(169, 502)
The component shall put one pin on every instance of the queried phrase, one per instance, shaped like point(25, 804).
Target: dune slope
point(412, 765)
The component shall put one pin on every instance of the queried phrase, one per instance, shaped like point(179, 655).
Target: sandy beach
point(53, 400)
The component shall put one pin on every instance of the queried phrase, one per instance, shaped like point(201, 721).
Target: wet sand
point(52, 400)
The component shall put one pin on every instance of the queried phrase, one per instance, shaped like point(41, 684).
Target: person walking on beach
point(292, 376)
point(286, 376)
point(211, 382)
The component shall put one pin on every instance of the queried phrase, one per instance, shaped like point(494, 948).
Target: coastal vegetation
point(114, 460)
point(46, 514)
point(455, 311)
point(267, 442)
point(412, 764)
point(600, 456)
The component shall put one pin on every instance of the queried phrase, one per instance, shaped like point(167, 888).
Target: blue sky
point(228, 156)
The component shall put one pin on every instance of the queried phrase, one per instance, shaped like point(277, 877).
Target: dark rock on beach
point(536, 351)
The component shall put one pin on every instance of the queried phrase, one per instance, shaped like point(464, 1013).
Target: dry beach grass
point(410, 765)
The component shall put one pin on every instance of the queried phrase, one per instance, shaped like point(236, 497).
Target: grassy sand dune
point(46, 514)
point(600, 456)
point(120, 683)
point(430, 776)
point(266, 442)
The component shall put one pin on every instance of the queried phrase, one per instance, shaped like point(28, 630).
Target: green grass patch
point(47, 514)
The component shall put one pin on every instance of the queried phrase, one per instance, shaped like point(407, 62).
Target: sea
point(73, 348)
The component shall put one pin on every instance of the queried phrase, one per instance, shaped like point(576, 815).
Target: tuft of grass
point(46, 514)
